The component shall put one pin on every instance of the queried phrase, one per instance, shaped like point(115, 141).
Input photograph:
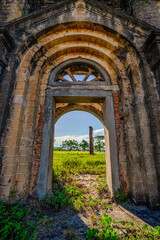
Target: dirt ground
point(71, 224)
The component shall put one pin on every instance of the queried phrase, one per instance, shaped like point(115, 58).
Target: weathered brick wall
point(151, 49)
point(118, 121)
point(148, 12)
point(11, 9)
point(38, 144)
point(39, 50)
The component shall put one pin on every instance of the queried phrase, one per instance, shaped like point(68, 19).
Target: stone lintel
point(77, 93)
point(78, 86)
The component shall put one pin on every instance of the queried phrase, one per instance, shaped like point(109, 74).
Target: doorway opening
point(71, 145)
point(79, 179)
point(75, 85)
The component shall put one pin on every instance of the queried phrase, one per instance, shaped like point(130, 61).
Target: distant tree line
point(73, 145)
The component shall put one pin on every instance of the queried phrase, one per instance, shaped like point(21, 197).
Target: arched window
point(79, 73)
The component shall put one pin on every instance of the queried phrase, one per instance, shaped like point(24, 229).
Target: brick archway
point(122, 60)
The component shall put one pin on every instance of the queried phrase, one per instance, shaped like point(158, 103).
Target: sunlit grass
point(74, 162)
point(68, 164)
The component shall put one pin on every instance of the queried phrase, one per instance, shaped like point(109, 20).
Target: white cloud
point(58, 140)
point(98, 130)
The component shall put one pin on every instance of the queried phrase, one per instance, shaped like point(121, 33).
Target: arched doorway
point(111, 45)
point(67, 93)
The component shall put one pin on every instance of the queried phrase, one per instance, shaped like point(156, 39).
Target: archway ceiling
point(81, 47)
point(95, 109)
point(81, 28)
point(87, 56)
point(56, 44)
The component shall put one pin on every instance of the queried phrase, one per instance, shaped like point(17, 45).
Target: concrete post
point(112, 168)
point(44, 181)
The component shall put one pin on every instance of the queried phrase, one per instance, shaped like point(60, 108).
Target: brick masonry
point(32, 45)
point(118, 129)
point(38, 144)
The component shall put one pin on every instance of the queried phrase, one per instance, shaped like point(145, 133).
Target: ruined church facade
point(117, 47)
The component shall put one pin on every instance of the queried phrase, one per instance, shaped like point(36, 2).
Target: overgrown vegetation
point(23, 222)
point(15, 223)
point(99, 143)
point(66, 166)
point(129, 231)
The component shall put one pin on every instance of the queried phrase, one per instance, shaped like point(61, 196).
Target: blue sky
point(75, 125)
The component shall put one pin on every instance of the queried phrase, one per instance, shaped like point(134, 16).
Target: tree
point(70, 145)
point(84, 144)
point(99, 143)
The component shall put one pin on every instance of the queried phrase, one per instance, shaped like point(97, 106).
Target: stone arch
point(116, 41)
point(94, 109)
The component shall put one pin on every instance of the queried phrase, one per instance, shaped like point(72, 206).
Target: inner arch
point(95, 109)
point(75, 125)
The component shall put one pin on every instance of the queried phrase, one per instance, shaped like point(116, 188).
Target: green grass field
point(65, 163)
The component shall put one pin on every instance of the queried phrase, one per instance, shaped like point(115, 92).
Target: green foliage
point(58, 149)
point(91, 234)
point(63, 196)
point(70, 145)
point(76, 197)
point(108, 230)
point(14, 223)
point(66, 163)
point(121, 196)
point(101, 183)
point(58, 200)
point(84, 145)
point(99, 143)
point(12, 196)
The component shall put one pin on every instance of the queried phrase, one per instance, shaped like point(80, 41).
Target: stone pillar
point(91, 147)
point(112, 165)
point(151, 49)
point(44, 181)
